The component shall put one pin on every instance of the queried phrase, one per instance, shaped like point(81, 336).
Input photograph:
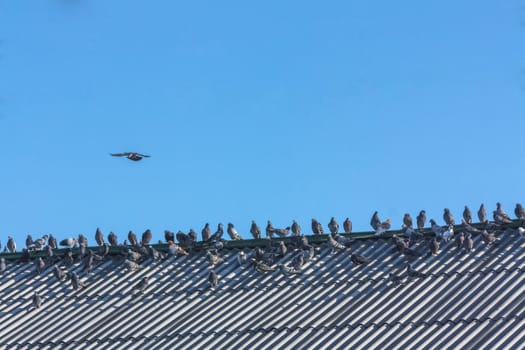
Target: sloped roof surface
point(470, 301)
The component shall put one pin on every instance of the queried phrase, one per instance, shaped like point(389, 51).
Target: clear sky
point(273, 110)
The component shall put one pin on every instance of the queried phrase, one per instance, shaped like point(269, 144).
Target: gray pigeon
point(448, 217)
point(467, 215)
point(482, 214)
point(37, 300)
point(40, 265)
point(469, 243)
point(255, 230)
point(347, 226)
point(206, 233)
point(213, 279)
point(234, 235)
point(58, 273)
point(3, 265)
point(142, 285)
point(269, 229)
point(134, 156)
point(132, 238)
point(75, 281)
point(296, 229)
point(11, 245)
point(407, 221)
point(52, 242)
point(99, 237)
point(333, 226)
point(241, 258)
point(519, 212)
point(112, 239)
point(146, 237)
point(29, 242)
point(375, 221)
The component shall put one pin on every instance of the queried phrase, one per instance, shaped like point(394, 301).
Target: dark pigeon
point(359, 259)
point(414, 273)
point(482, 214)
point(375, 221)
point(213, 279)
point(296, 229)
point(112, 239)
point(132, 238)
point(37, 300)
point(217, 236)
point(232, 232)
point(58, 273)
point(269, 229)
point(146, 237)
point(142, 285)
point(169, 236)
point(99, 237)
point(206, 233)
point(448, 217)
point(467, 215)
point(407, 221)
point(519, 212)
point(76, 283)
point(421, 220)
point(52, 242)
point(11, 245)
point(255, 230)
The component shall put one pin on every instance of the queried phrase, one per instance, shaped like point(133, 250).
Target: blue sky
point(274, 110)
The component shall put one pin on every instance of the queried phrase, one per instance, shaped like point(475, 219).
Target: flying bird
point(130, 155)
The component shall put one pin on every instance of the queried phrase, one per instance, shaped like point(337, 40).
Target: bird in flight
point(130, 155)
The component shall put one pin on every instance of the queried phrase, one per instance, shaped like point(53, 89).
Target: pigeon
point(395, 279)
point(296, 229)
point(132, 238)
point(142, 285)
point(469, 243)
point(212, 279)
point(317, 228)
point(414, 273)
point(130, 265)
point(146, 237)
point(359, 259)
point(41, 242)
point(52, 242)
point(333, 226)
point(433, 244)
point(241, 258)
point(347, 226)
point(407, 221)
point(269, 229)
point(75, 281)
point(11, 245)
point(501, 212)
point(213, 259)
point(519, 212)
point(29, 242)
point(68, 242)
point(3, 265)
point(500, 218)
point(383, 227)
point(482, 214)
point(37, 300)
point(375, 221)
point(130, 155)
point(176, 249)
point(234, 235)
point(467, 215)
point(261, 266)
point(99, 237)
point(68, 257)
point(347, 242)
point(400, 243)
point(169, 236)
point(297, 262)
point(288, 270)
point(421, 220)
point(218, 234)
point(334, 244)
point(206, 233)
point(447, 234)
point(58, 273)
point(438, 230)
point(282, 232)
point(40, 265)
point(255, 230)
point(112, 239)
point(448, 217)
point(488, 237)
point(192, 235)
point(82, 240)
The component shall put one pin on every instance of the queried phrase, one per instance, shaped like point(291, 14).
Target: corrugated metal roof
point(473, 301)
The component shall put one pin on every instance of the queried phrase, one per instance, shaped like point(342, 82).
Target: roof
point(468, 300)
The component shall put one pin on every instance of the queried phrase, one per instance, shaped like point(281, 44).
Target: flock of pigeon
point(266, 259)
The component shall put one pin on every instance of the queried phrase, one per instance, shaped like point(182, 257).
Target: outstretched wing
point(120, 154)
point(142, 155)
